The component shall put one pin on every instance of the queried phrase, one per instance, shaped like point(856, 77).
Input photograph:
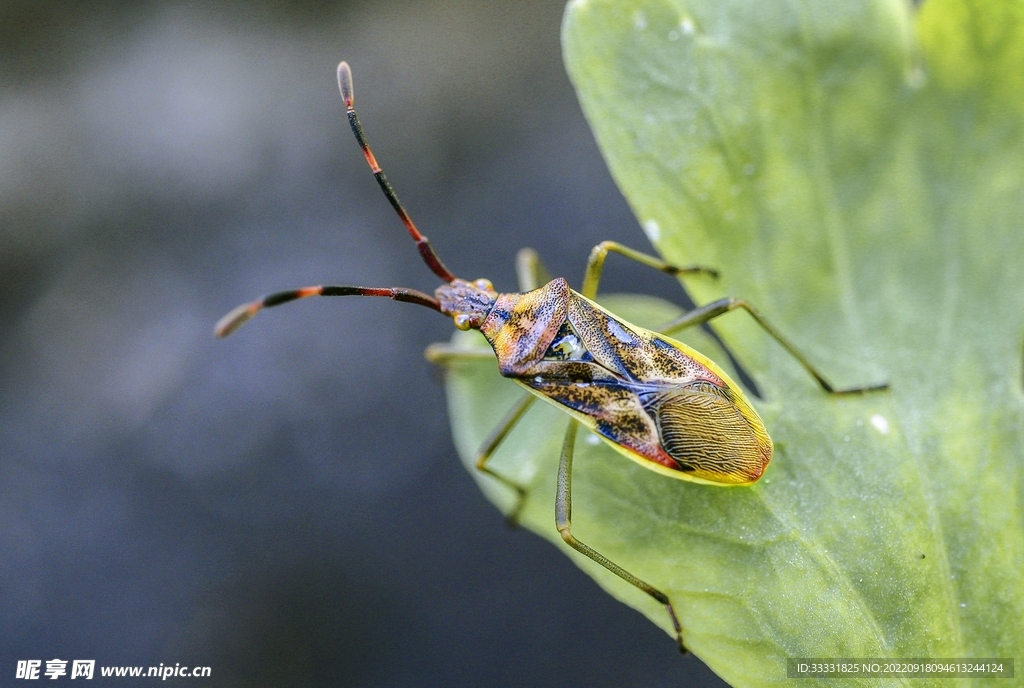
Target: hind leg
point(563, 521)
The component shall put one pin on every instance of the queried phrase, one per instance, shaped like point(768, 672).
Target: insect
point(653, 399)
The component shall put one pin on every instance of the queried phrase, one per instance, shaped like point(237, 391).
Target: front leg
point(595, 265)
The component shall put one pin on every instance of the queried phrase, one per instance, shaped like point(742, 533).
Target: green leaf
point(855, 170)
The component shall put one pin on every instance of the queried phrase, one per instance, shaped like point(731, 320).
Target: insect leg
point(444, 353)
point(595, 265)
point(530, 270)
point(699, 316)
point(441, 353)
point(563, 520)
point(490, 445)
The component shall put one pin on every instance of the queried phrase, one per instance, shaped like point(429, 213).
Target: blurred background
point(284, 506)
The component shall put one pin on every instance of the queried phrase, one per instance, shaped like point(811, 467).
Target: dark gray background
point(284, 506)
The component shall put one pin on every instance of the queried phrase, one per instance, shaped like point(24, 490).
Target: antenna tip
point(236, 318)
point(345, 83)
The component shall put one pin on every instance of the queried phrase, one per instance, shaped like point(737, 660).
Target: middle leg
point(702, 315)
point(491, 444)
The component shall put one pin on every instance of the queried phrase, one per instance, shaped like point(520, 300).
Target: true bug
point(653, 399)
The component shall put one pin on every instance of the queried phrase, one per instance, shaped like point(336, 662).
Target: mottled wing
point(633, 352)
point(601, 401)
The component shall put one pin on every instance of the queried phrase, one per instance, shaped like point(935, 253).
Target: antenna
point(422, 243)
point(242, 314)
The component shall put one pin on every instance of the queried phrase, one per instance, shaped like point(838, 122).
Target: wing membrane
point(709, 435)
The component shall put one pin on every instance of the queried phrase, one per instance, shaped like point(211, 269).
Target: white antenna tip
point(345, 83)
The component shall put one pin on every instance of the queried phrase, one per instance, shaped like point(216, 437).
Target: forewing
point(603, 403)
point(632, 352)
point(705, 429)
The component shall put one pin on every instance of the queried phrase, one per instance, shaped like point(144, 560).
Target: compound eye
point(461, 321)
point(483, 284)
